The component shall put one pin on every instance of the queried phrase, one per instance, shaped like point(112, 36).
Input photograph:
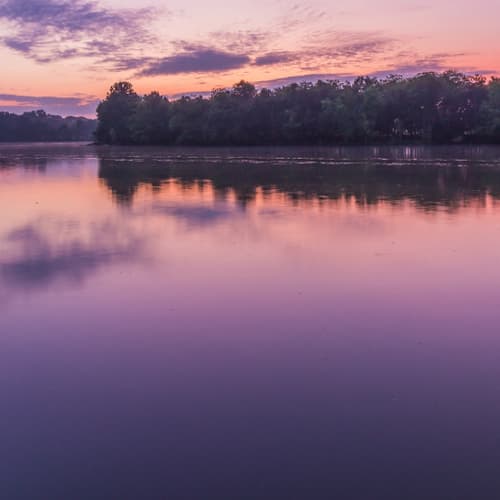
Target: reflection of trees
point(38, 164)
point(40, 157)
point(409, 175)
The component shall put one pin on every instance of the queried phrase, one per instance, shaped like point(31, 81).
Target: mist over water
point(281, 323)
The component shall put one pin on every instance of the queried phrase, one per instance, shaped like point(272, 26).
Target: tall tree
point(115, 114)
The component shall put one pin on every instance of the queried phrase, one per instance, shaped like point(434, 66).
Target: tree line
point(38, 126)
point(447, 107)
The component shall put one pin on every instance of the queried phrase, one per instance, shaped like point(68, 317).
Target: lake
point(249, 323)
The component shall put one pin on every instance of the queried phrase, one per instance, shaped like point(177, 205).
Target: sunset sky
point(62, 55)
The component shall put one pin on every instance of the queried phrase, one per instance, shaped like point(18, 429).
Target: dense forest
point(447, 107)
point(38, 126)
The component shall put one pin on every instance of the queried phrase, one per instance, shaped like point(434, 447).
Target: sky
point(63, 55)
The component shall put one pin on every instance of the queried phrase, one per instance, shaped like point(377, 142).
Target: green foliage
point(150, 121)
point(116, 113)
point(39, 126)
point(490, 111)
point(428, 108)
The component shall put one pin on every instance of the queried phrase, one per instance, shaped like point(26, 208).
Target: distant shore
point(430, 108)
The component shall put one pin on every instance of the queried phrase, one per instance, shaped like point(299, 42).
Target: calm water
point(265, 324)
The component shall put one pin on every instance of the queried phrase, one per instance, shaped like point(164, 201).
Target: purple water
point(249, 324)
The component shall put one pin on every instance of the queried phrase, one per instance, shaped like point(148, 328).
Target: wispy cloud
point(49, 30)
point(301, 40)
point(197, 60)
point(410, 63)
point(81, 105)
point(248, 41)
point(340, 49)
point(310, 77)
point(225, 52)
point(274, 58)
point(406, 65)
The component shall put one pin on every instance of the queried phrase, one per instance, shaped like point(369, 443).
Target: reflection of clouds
point(46, 157)
point(362, 223)
point(198, 215)
point(49, 250)
point(269, 212)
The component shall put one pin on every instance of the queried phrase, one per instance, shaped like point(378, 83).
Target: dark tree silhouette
point(38, 126)
point(447, 107)
point(150, 122)
point(116, 114)
point(490, 111)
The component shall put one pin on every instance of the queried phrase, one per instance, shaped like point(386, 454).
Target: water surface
point(244, 324)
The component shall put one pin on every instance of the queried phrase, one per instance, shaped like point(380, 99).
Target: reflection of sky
point(186, 342)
